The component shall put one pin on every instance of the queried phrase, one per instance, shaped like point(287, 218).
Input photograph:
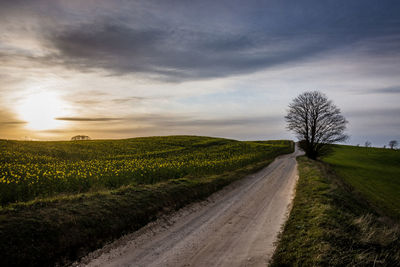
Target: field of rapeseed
point(31, 170)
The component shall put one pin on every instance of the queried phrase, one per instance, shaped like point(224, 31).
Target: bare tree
point(367, 144)
point(316, 122)
point(393, 144)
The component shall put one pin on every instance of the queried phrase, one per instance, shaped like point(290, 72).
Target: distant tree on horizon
point(316, 121)
point(367, 144)
point(393, 144)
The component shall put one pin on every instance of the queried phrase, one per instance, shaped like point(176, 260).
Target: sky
point(121, 69)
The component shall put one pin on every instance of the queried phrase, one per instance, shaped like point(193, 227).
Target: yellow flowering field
point(30, 170)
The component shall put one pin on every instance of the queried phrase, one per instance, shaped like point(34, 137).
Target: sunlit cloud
point(40, 109)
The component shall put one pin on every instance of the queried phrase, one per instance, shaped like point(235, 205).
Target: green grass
point(60, 228)
point(30, 170)
point(374, 173)
point(331, 226)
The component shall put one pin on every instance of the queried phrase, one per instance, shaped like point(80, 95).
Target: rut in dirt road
point(236, 226)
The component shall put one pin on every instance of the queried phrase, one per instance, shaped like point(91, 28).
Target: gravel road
point(236, 226)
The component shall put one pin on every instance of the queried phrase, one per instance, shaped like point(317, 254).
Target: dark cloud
point(113, 46)
point(12, 123)
point(86, 119)
point(122, 50)
point(386, 90)
point(262, 36)
point(201, 39)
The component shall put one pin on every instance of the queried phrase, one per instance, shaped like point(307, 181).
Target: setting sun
point(39, 110)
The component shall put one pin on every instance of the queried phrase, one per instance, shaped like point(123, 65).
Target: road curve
point(236, 226)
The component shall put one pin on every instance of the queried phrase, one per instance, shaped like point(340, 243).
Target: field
point(344, 214)
point(62, 200)
point(374, 173)
point(31, 170)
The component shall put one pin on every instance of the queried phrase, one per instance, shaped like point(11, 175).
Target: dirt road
point(236, 226)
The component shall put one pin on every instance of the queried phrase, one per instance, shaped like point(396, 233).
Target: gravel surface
point(236, 226)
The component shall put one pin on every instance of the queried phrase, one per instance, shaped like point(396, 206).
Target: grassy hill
point(345, 212)
point(374, 173)
point(64, 199)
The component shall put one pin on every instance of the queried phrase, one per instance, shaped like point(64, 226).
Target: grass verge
point(57, 231)
point(330, 226)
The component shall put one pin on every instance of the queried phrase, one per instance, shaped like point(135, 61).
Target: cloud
point(386, 90)
point(104, 100)
point(178, 54)
point(121, 50)
point(107, 46)
point(87, 102)
point(187, 121)
point(382, 112)
point(96, 98)
point(129, 99)
point(12, 122)
point(171, 120)
point(199, 40)
point(222, 122)
point(9, 118)
point(368, 122)
point(77, 119)
point(9, 124)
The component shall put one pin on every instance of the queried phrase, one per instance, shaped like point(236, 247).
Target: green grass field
point(372, 172)
point(345, 213)
point(30, 170)
point(62, 212)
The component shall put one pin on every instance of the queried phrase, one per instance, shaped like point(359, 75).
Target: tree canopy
point(393, 144)
point(316, 121)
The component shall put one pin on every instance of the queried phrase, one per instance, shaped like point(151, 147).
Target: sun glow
point(41, 109)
